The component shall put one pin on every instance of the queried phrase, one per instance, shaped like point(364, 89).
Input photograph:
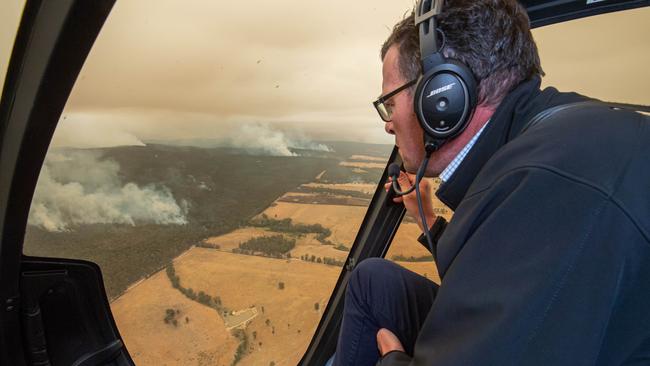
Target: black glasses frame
point(386, 113)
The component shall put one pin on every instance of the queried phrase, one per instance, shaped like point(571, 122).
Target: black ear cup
point(444, 99)
point(446, 95)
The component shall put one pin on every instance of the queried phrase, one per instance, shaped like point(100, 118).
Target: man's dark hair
point(492, 37)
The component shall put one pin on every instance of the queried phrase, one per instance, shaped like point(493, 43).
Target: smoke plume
point(260, 138)
point(78, 187)
point(109, 129)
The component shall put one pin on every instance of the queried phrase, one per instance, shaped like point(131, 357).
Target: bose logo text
point(440, 90)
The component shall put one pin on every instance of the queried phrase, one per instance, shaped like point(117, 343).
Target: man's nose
point(389, 128)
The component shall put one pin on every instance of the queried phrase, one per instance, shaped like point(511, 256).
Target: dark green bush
point(274, 246)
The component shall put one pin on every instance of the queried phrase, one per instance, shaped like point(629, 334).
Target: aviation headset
point(446, 93)
point(444, 100)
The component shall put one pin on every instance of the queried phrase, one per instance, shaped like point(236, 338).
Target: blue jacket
point(546, 260)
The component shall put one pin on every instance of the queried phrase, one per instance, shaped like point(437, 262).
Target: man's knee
point(373, 268)
point(372, 273)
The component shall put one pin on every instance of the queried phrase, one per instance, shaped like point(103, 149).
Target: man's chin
point(413, 169)
point(410, 168)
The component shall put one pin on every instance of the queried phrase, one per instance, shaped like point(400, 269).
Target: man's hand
point(405, 181)
point(387, 341)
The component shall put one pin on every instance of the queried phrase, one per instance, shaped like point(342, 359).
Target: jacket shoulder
point(603, 147)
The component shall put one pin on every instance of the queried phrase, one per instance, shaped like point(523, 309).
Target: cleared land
point(305, 244)
point(344, 221)
point(359, 187)
point(368, 158)
point(140, 314)
point(243, 281)
point(239, 319)
point(230, 241)
point(325, 199)
point(405, 242)
point(426, 269)
point(310, 246)
point(363, 165)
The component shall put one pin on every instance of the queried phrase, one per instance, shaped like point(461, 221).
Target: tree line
point(324, 260)
point(200, 297)
point(287, 226)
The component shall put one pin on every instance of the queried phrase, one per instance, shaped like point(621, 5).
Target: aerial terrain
point(210, 255)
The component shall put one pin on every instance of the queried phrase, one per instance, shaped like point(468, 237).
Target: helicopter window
point(406, 251)
point(216, 162)
point(604, 56)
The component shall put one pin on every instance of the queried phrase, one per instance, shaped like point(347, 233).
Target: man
point(547, 258)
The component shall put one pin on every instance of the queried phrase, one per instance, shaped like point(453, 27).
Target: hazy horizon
point(292, 71)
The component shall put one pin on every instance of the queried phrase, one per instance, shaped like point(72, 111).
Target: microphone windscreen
point(393, 170)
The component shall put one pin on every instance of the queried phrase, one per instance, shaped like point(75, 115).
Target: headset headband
point(426, 23)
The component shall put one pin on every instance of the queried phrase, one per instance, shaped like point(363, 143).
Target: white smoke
point(109, 129)
point(261, 138)
point(82, 130)
point(298, 140)
point(79, 188)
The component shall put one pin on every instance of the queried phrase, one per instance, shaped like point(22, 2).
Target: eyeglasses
point(386, 111)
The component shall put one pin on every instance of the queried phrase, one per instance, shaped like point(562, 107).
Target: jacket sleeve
point(527, 277)
point(436, 230)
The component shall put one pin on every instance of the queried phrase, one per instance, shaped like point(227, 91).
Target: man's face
point(404, 123)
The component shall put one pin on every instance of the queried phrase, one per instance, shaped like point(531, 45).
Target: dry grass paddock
point(367, 158)
point(358, 164)
point(140, 314)
point(344, 221)
point(358, 187)
point(243, 281)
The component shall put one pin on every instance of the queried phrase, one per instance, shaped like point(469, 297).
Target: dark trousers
point(381, 294)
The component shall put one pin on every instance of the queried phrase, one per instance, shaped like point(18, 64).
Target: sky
point(10, 11)
point(182, 70)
